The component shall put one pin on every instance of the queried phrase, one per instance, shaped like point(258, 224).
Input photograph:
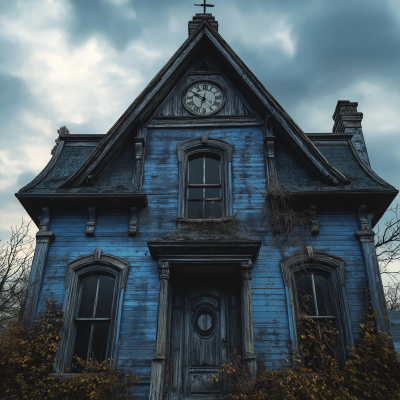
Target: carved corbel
point(90, 225)
point(163, 270)
point(313, 220)
point(269, 143)
point(45, 235)
point(245, 270)
point(132, 221)
point(365, 234)
point(44, 225)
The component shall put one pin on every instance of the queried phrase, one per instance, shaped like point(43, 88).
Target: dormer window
point(205, 171)
point(204, 187)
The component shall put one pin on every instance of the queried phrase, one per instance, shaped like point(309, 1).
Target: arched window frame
point(92, 264)
point(332, 267)
point(206, 146)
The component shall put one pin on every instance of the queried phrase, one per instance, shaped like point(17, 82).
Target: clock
point(203, 98)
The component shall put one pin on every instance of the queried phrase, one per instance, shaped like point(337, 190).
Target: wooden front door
point(204, 344)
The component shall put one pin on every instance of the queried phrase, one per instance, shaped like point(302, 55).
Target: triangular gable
point(205, 40)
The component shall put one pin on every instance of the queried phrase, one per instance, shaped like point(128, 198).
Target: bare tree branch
point(15, 262)
point(387, 243)
point(392, 295)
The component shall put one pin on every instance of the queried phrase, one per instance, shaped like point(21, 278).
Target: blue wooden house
point(156, 238)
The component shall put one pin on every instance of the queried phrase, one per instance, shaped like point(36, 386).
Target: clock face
point(204, 98)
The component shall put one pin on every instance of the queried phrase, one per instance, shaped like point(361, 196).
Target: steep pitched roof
point(205, 40)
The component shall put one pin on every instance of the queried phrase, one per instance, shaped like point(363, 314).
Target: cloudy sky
point(80, 63)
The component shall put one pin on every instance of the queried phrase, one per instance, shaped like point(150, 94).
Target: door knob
point(223, 341)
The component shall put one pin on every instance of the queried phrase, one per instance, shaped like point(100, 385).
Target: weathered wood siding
point(139, 309)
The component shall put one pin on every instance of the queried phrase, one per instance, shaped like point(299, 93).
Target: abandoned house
point(158, 240)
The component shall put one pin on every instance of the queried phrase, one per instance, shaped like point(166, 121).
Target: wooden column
point(43, 239)
point(366, 238)
point(249, 359)
point(158, 362)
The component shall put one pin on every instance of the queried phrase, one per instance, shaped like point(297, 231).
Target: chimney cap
point(199, 18)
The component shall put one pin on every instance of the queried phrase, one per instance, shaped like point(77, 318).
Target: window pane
point(195, 209)
point(99, 344)
point(195, 193)
point(213, 193)
point(82, 339)
point(212, 171)
point(105, 298)
point(305, 294)
point(88, 297)
point(323, 297)
point(196, 171)
point(213, 209)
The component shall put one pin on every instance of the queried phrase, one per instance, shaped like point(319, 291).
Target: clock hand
point(200, 97)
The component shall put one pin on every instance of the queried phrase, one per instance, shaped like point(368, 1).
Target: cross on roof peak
point(205, 5)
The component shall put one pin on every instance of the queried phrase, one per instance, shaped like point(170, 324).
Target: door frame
point(231, 267)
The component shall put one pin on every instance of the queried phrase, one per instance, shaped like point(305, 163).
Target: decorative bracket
point(246, 269)
point(313, 220)
point(269, 142)
point(133, 221)
point(90, 225)
point(45, 219)
point(365, 234)
point(163, 270)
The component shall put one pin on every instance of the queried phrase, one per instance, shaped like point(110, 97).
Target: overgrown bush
point(27, 359)
point(372, 370)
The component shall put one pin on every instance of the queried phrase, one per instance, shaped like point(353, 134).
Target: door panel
point(204, 352)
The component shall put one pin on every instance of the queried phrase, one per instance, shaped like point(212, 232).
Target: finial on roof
point(62, 131)
point(204, 5)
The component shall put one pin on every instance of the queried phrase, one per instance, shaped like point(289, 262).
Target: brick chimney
point(199, 18)
point(348, 120)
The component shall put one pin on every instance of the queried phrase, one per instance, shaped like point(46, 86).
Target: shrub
point(27, 359)
point(372, 370)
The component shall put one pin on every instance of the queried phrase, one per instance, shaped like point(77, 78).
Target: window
point(313, 296)
point(94, 317)
point(204, 178)
point(315, 284)
point(95, 285)
point(204, 187)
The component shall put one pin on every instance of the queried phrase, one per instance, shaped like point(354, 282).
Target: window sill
point(203, 220)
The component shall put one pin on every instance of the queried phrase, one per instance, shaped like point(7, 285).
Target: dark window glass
point(82, 339)
point(195, 193)
point(212, 174)
point(213, 193)
point(322, 294)
point(213, 209)
point(100, 337)
point(305, 294)
point(96, 301)
point(89, 289)
point(195, 209)
point(196, 171)
point(105, 298)
point(204, 183)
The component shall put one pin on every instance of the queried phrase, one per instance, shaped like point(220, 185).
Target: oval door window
point(205, 322)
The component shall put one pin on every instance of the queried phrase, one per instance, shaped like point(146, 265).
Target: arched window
point(205, 178)
point(95, 286)
point(314, 284)
point(93, 321)
point(204, 187)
